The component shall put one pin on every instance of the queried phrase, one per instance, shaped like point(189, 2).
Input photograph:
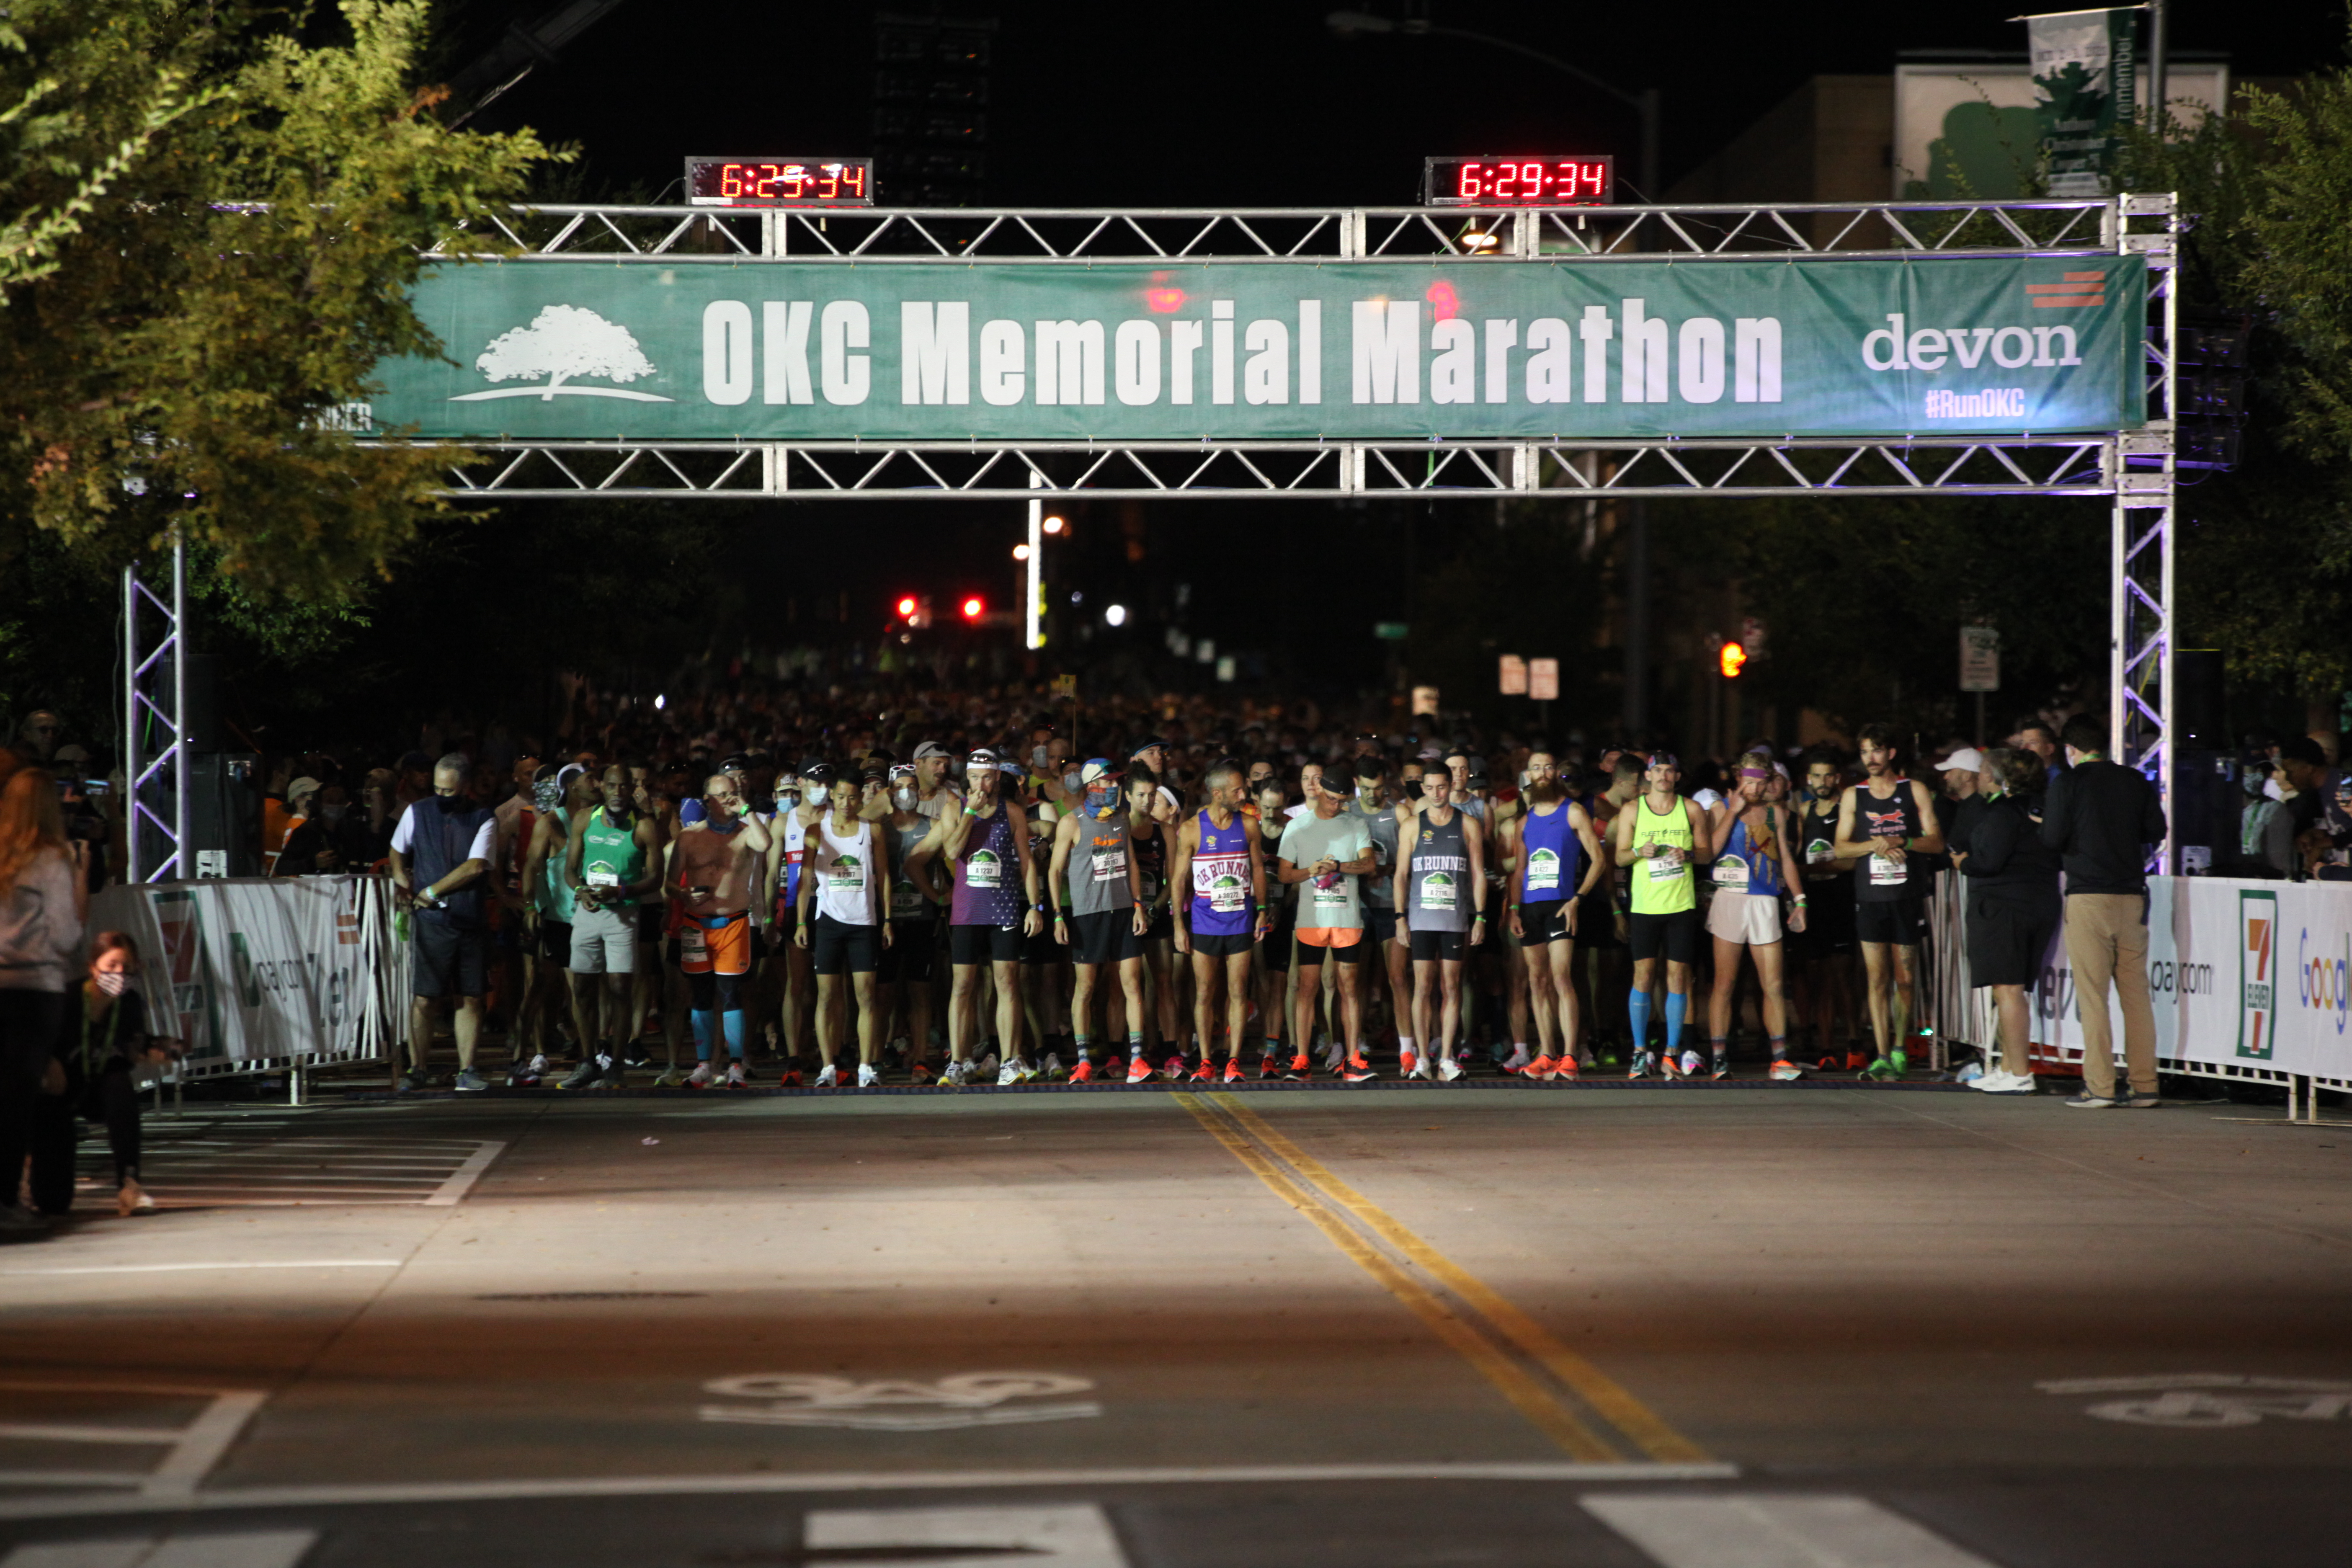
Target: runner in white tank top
point(845, 922)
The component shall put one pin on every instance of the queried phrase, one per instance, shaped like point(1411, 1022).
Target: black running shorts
point(984, 944)
point(1546, 921)
point(1224, 944)
point(1899, 923)
point(1106, 936)
point(913, 945)
point(1677, 935)
point(842, 948)
point(1431, 946)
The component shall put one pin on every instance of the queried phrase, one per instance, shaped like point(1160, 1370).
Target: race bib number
point(983, 871)
point(1331, 891)
point(1223, 884)
point(604, 876)
point(1667, 866)
point(693, 941)
point(1731, 871)
point(1818, 852)
point(1438, 893)
point(846, 874)
point(1887, 873)
point(1110, 865)
point(904, 900)
point(1543, 873)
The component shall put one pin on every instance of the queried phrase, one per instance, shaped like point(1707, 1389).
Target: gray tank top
point(1438, 884)
point(1098, 866)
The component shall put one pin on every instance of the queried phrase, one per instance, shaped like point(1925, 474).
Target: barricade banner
point(2244, 975)
point(273, 969)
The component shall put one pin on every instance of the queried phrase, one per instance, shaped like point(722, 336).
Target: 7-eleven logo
point(2257, 953)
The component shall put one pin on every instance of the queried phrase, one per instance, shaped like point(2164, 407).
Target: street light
point(1637, 532)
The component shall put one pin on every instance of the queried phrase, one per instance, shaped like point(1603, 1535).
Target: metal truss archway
point(2132, 469)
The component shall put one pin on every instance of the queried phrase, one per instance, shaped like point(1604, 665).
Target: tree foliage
point(221, 225)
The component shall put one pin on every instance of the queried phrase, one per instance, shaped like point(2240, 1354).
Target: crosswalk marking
point(1769, 1530)
point(1066, 1536)
point(201, 1168)
point(245, 1549)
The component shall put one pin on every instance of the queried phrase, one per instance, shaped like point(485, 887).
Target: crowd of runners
point(1247, 904)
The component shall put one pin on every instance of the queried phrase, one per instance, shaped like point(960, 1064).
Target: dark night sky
point(1217, 101)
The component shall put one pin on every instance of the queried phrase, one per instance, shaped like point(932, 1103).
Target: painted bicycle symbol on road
point(895, 1405)
point(2210, 1400)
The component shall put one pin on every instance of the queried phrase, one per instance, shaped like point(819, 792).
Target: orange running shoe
point(1234, 1073)
point(1299, 1067)
point(1269, 1066)
point(1084, 1072)
point(1856, 1061)
point(1204, 1072)
point(1138, 1070)
point(1563, 1069)
point(1541, 1069)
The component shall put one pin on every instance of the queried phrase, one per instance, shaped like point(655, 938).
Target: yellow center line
point(1645, 1428)
point(1542, 1409)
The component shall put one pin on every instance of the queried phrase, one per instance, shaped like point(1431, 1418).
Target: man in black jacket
point(2102, 818)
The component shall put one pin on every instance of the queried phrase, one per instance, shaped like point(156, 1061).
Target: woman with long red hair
point(44, 899)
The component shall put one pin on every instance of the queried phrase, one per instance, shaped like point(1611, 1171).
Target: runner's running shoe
point(1669, 1066)
point(1518, 1060)
point(1234, 1073)
point(1139, 1070)
point(1206, 1072)
point(1881, 1071)
point(1359, 1072)
point(669, 1078)
point(1540, 1069)
point(1856, 1061)
point(700, 1077)
point(469, 1081)
point(1173, 1067)
point(985, 1066)
point(830, 1078)
point(1786, 1071)
point(1638, 1065)
point(1269, 1065)
point(1299, 1070)
point(1448, 1070)
point(1406, 1062)
point(1720, 1068)
point(1902, 1060)
point(868, 1075)
point(736, 1076)
point(587, 1075)
point(1564, 1070)
point(1084, 1072)
point(1054, 1070)
point(1014, 1071)
point(789, 1078)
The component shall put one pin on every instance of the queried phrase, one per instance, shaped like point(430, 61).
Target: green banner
point(2083, 94)
point(1233, 351)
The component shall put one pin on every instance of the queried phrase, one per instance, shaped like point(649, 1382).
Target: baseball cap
point(1142, 746)
point(1661, 760)
point(982, 757)
point(1968, 759)
point(929, 750)
point(816, 769)
point(295, 790)
point(1100, 768)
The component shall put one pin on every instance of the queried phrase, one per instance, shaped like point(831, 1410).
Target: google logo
point(2325, 983)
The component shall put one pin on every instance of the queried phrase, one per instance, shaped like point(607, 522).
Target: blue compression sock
point(1637, 1004)
point(1677, 1004)
point(732, 1022)
point(701, 1022)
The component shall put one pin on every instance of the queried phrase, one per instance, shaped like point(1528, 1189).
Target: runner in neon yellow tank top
point(1660, 838)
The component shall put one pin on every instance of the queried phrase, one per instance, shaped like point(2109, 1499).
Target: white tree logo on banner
point(563, 342)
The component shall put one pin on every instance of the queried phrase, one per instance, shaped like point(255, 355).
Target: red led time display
point(1523, 182)
point(780, 182)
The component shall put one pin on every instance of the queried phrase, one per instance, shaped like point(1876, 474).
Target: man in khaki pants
point(2102, 818)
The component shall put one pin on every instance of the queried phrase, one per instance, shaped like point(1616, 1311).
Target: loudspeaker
point(2207, 803)
point(2200, 718)
point(224, 814)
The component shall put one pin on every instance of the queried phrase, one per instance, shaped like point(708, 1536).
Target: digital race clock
point(1528, 182)
point(780, 182)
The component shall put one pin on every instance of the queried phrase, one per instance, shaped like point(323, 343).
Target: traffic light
point(972, 608)
point(908, 606)
point(1731, 659)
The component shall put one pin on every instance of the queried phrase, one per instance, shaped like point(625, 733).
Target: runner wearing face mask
point(1099, 912)
point(916, 900)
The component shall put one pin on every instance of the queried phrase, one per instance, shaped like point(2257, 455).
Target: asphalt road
point(1674, 1325)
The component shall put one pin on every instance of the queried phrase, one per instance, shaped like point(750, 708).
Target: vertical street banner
point(2084, 94)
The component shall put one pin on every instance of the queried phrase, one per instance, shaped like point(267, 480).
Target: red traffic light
point(972, 608)
point(1731, 659)
point(906, 607)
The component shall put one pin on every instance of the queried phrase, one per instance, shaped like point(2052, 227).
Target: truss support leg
point(155, 733)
